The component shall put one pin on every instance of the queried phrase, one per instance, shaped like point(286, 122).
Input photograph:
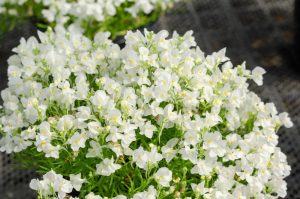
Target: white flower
point(153, 156)
point(233, 120)
point(154, 109)
point(21, 144)
point(31, 114)
point(169, 114)
point(65, 123)
point(51, 151)
point(167, 151)
point(128, 135)
point(139, 156)
point(52, 181)
point(199, 189)
point(214, 144)
point(84, 113)
point(145, 159)
point(76, 181)
point(257, 74)
point(163, 176)
point(151, 193)
point(203, 167)
point(100, 99)
point(286, 121)
point(29, 133)
point(107, 167)
point(148, 129)
point(41, 186)
point(191, 138)
point(91, 195)
point(114, 134)
point(95, 150)
point(62, 187)
point(117, 148)
point(114, 117)
point(211, 119)
point(77, 141)
point(93, 129)
point(189, 153)
point(45, 132)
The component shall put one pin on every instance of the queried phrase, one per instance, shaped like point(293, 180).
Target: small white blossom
point(76, 181)
point(95, 150)
point(202, 167)
point(100, 99)
point(92, 196)
point(65, 123)
point(199, 189)
point(52, 181)
point(214, 144)
point(167, 151)
point(151, 193)
point(163, 176)
point(148, 129)
point(257, 74)
point(286, 121)
point(107, 167)
point(77, 141)
point(144, 159)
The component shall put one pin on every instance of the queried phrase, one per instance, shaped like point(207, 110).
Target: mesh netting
point(258, 31)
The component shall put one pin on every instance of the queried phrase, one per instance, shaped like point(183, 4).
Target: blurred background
point(261, 32)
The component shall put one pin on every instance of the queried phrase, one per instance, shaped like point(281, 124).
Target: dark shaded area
point(297, 28)
point(260, 32)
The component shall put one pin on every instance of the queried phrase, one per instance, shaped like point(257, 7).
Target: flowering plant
point(156, 119)
point(115, 16)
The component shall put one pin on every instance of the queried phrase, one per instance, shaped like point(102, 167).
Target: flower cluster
point(88, 13)
point(156, 119)
point(55, 185)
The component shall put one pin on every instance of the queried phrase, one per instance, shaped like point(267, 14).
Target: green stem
point(160, 131)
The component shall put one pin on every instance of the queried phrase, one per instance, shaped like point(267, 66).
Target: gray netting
point(258, 31)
